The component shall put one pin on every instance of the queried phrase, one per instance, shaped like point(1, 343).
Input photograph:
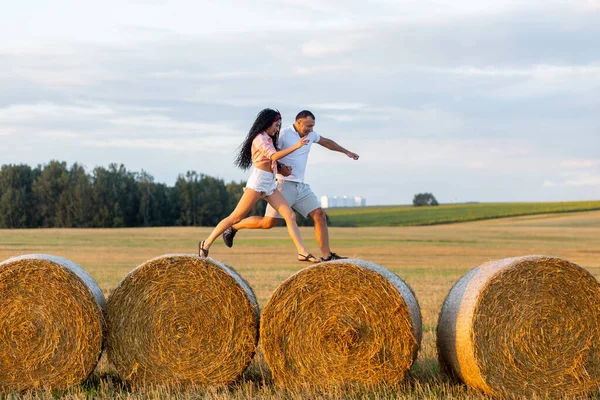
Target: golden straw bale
point(179, 319)
point(525, 326)
point(51, 323)
point(341, 322)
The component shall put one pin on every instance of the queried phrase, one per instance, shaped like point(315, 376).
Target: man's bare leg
point(321, 231)
point(253, 222)
point(256, 222)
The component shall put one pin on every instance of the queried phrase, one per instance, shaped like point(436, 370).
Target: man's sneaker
point(228, 236)
point(333, 256)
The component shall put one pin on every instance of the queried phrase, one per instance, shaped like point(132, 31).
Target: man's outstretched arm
point(333, 146)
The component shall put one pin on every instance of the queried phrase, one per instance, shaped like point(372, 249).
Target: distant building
point(344, 201)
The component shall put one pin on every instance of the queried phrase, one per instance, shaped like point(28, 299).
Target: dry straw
point(341, 322)
point(526, 326)
point(179, 319)
point(51, 323)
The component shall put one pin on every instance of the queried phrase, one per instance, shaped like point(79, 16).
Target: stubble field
point(430, 259)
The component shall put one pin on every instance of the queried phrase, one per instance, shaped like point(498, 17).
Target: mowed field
point(428, 258)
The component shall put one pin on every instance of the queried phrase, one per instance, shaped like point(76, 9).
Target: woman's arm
point(282, 153)
point(283, 169)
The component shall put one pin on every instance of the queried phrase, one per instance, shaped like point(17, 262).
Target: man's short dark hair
point(305, 113)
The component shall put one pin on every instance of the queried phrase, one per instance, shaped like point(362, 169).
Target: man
point(290, 181)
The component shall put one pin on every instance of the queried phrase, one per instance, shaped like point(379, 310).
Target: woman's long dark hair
point(264, 119)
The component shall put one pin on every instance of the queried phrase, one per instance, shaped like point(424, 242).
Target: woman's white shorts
point(262, 181)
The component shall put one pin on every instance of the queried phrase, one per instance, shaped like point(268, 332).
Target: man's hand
point(284, 170)
point(352, 155)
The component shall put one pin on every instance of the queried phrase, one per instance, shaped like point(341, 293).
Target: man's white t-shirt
point(297, 159)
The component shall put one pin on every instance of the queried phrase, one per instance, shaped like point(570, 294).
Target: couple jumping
point(278, 163)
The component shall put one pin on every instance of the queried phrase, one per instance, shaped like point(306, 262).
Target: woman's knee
point(234, 219)
point(289, 216)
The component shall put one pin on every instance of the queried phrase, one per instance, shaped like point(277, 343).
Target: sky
point(494, 101)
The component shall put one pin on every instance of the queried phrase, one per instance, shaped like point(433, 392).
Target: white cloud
point(29, 20)
point(584, 180)
point(185, 75)
point(339, 106)
point(436, 10)
point(128, 127)
point(46, 112)
point(541, 72)
point(53, 65)
point(59, 135)
point(580, 179)
point(171, 126)
point(344, 43)
point(509, 151)
point(579, 163)
point(140, 118)
point(423, 121)
point(213, 144)
point(320, 69)
point(575, 80)
point(423, 11)
point(475, 165)
point(356, 117)
point(312, 6)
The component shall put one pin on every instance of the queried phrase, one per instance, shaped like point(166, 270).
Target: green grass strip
point(447, 213)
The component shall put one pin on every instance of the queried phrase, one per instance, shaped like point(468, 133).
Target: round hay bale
point(179, 319)
point(341, 322)
point(526, 326)
point(51, 323)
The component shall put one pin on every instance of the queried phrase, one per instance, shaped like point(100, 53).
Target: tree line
point(58, 196)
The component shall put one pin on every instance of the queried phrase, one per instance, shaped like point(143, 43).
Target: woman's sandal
point(202, 252)
point(308, 258)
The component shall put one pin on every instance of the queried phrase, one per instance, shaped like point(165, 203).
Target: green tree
point(200, 200)
point(184, 199)
point(76, 201)
point(211, 201)
point(114, 196)
point(18, 208)
point(424, 199)
point(48, 189)
point(154, 202)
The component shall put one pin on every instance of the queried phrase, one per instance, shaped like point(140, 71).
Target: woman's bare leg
point(248, 200)
point(277, 201)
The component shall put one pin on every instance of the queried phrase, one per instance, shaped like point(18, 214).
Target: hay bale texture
point(51, 323)
point(341, 322)
point(526, 326)
point(179, 319)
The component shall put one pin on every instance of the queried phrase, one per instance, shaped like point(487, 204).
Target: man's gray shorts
point(298, 195)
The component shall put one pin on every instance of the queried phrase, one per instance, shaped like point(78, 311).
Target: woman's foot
point(307, 258)
point(202, 252)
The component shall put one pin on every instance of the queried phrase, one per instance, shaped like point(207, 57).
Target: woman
point(259, 151)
